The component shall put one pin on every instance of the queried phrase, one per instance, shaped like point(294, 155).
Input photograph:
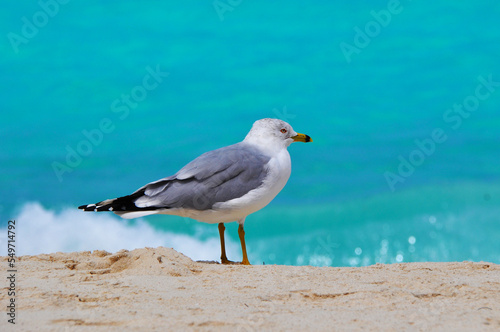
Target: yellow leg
point(223, 257)
point(241, 233)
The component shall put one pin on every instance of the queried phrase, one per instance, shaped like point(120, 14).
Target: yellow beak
point(302, 138)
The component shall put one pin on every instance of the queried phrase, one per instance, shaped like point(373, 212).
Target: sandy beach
point(161, 289)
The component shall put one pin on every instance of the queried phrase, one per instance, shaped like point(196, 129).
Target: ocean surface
point(402, 100)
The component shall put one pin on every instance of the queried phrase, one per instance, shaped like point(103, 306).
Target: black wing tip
point(87, 207)
point(119, 205)
point(96, 207)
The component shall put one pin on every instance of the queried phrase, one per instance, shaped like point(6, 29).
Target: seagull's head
point(275, 132)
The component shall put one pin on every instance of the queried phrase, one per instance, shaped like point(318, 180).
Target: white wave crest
point(39, 230)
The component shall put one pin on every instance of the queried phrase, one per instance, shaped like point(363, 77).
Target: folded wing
point(216, 176)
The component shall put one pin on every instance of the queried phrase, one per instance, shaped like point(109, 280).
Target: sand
point(161, 289)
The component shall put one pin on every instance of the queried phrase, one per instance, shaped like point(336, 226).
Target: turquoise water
point(402, 102)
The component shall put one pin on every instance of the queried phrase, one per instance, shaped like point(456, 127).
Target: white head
point(274, 132)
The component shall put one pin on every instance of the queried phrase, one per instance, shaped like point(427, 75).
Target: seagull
point(220, 186)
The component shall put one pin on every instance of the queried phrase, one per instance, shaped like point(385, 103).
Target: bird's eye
point(283, 131)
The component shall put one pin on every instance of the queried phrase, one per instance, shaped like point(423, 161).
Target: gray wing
point(216, 176)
